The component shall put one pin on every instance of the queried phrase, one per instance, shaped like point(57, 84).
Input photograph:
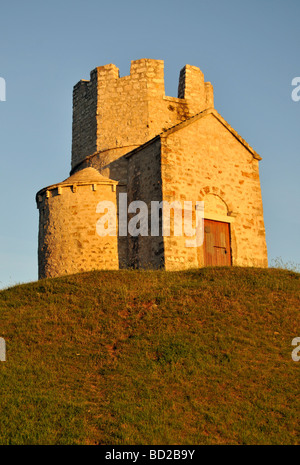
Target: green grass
point(151, 357)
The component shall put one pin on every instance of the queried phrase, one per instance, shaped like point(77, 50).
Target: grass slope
point(151, 357)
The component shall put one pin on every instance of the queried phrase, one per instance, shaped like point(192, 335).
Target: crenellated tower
point(112, 115)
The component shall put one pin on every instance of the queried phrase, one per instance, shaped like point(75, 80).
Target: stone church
point(129, 138)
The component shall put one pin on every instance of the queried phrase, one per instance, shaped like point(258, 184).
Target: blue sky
point(248, 50)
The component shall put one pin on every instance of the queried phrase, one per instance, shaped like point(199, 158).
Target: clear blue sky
point(248, 50)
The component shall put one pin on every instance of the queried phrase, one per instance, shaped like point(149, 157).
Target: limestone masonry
point(128, 137)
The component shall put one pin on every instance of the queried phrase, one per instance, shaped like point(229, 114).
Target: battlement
point(144, 69)
point(148, 71)
point(117, 114)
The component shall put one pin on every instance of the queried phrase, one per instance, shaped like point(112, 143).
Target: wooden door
point(216, 243)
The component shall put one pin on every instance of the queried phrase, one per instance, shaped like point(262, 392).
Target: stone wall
point(202, 160)
point(144, 183)
point(84, 124)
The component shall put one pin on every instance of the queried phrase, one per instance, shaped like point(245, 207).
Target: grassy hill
point(151, 357)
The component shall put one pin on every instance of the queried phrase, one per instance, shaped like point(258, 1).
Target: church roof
point(191, 120)
point(88, 175)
